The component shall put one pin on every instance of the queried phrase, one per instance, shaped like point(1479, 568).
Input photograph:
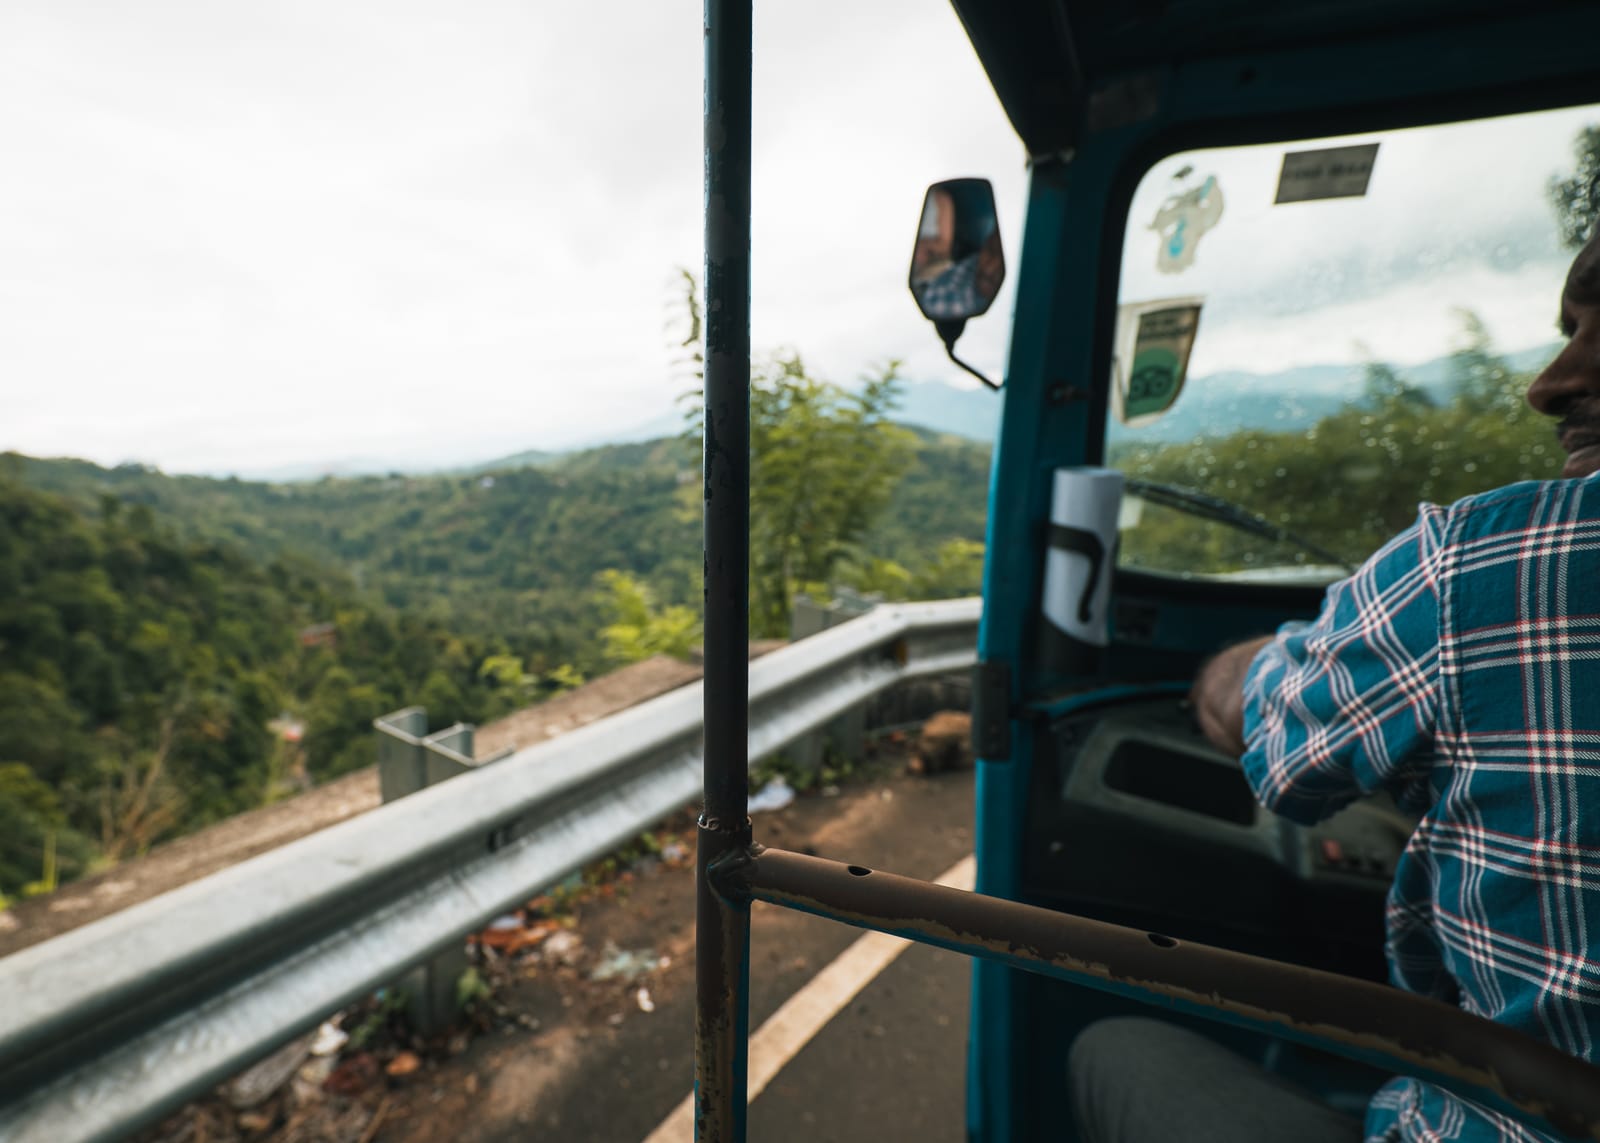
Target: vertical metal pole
point(722, 927)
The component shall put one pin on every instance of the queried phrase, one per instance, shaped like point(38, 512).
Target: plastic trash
point(775, 795)
point(516, 936)
point(255, 1084)
point(624, 964)
point(646, 1003)
point(307, 1086)
point(329, 1039)
point(564, 947)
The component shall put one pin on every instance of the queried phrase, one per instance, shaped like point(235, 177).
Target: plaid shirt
point(953, 292)
point(1460, 668)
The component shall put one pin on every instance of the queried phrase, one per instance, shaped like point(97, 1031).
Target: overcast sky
point(241, 237)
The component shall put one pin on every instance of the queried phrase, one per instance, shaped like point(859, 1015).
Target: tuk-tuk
point(1274, 290)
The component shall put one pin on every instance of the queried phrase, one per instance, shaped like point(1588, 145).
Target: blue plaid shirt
point(951, 293)
point(1460, 669)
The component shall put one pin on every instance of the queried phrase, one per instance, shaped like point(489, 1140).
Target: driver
point(1459, 668)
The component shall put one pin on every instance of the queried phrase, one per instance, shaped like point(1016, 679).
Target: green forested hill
point(517, 549)
point(943, 496)
point(497, 552)
point(159, 633)
point(152, 626)
point(142, 665)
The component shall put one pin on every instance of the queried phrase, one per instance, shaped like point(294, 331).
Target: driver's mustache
point(1581, 423)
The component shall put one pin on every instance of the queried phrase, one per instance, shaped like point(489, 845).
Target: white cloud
point(240, 236)
point(1407, 324)
point(246, 236)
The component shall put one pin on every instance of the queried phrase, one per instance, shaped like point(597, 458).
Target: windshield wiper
point(1208, 507)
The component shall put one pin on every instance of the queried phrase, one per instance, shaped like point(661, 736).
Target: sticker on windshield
point(1337, 172)
point(1154, 340)
point(1183, 220)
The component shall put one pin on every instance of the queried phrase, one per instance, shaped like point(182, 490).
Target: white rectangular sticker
point(1338, 172)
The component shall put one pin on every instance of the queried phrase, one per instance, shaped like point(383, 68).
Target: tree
point(36, 845)
point(639, 627)
point(139, 801)
point(823, 464)
point(444, 700)
point(1479, 376)
point(1383, 386)
point(1353, 479)
point(1576, 197)
point(171, 646)
point(955, 570)
point(339, 716)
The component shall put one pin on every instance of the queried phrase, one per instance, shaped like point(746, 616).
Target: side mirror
point(957, 264)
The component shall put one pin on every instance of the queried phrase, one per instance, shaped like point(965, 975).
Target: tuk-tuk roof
point(1045, 56)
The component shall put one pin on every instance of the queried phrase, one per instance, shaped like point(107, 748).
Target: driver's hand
point(1218, 695)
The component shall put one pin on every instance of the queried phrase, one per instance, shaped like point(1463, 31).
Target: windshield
point(1324, 333)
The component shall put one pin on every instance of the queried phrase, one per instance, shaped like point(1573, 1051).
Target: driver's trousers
point(1136, 1080)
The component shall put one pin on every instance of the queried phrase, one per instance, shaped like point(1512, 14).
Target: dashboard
point(1135, 818)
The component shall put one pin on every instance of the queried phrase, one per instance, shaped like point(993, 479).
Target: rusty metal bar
point(1396, 1031)
point(722, 925)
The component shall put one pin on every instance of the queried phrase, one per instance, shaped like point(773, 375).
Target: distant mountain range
point(1215, 403)
point(940, 408)
point(1220, 403)
point(973, 414)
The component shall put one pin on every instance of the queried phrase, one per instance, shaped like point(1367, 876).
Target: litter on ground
point(624, 964)
point(775, 795)
point(329, 1039)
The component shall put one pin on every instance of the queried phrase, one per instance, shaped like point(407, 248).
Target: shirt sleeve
point(1343, 706)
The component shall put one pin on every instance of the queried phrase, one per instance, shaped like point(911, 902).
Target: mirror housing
point(957, 264)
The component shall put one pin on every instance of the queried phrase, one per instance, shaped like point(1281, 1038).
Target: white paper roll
point(1083, 540)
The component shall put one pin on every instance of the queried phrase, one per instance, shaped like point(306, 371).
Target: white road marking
point(808, 1011)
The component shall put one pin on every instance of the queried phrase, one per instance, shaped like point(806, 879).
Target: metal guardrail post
point(402, 766)
point(409, 760)
point(448, 752)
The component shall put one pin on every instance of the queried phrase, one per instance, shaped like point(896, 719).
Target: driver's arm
point(1324, 713)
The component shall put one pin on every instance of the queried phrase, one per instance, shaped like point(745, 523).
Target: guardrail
point(110, 1026)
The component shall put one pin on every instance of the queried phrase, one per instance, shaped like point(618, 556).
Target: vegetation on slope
point(177, 649)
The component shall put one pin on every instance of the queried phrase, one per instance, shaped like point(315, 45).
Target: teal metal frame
point(1057, 379)
point(1055, 401)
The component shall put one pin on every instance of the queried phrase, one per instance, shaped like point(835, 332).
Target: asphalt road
point(888, 1066)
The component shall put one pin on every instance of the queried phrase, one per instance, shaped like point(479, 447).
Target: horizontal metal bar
point(108, 1026)
point(1396, 1031)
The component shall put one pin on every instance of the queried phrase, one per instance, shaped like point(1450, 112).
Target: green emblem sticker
point(1152, 382)
point(1155, 339)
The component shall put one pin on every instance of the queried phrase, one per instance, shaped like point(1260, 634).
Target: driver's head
point(1569, 387)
